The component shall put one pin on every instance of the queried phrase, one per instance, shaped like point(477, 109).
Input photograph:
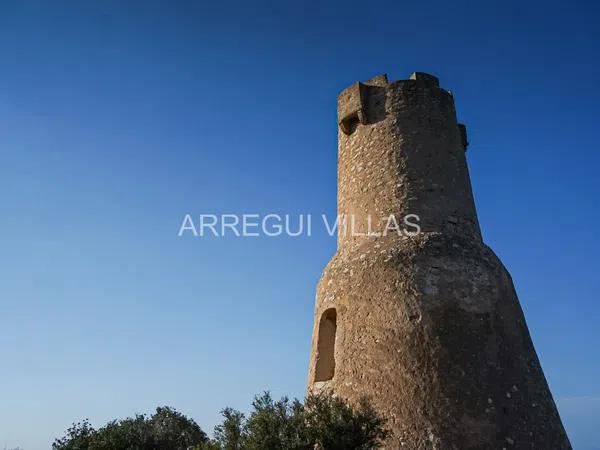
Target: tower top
point(401, 152)
point(352, 100)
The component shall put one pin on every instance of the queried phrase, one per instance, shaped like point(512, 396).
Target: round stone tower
point(426, 326)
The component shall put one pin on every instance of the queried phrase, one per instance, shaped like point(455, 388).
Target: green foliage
point(323, 422)
point(231, 434)
point(78, 437)
point(166, 429)
point(275, 425)
point(334, 425)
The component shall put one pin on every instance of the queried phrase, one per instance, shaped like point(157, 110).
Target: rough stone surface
point(427, 327)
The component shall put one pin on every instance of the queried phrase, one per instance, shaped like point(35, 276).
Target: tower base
point(429, 329)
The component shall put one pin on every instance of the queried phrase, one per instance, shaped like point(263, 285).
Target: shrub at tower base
point(322, 422)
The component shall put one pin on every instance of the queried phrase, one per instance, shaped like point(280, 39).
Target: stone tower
point(427, 327)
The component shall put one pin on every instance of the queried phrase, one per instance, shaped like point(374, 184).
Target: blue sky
point(117, 118)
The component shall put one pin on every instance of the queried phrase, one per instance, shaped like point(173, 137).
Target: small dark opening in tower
point(325, 364)
point(350, 124)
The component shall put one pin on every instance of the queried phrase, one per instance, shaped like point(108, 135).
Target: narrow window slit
point(325, 361)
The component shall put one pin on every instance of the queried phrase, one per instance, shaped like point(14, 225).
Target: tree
point(77, 437)
point(275, 425)
point(332, 424)
point(166, 429)
point(232, 433)
point(323, 421)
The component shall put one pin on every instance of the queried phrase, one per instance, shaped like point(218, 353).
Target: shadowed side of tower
point(427, 327)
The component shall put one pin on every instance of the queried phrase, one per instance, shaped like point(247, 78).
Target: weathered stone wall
point(407, 157)
point(427, 327)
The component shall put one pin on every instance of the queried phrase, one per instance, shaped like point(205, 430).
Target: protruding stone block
point(351, 108)
point(463, 135)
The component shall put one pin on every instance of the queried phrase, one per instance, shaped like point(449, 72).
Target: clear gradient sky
point(118, 117)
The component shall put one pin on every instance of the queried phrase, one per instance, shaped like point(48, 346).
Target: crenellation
point(378, 80)
point(426, 79)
